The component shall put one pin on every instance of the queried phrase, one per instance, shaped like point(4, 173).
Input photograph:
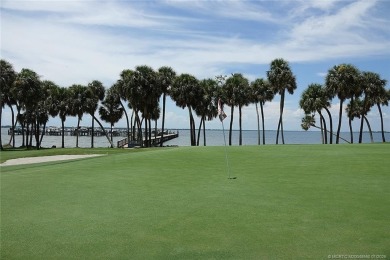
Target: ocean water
point(213, 138)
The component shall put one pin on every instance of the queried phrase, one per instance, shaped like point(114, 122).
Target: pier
point(73, 131)
point(156, 140)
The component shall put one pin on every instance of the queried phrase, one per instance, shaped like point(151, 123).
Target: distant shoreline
point(212, 129)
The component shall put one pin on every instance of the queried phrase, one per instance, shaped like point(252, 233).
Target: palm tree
point(313, 100)
point(357, 109)
point(281, 79)
point(166, 76)
point(27, 92)
point(261, 93)
point(206, 107)
point(309, 121)
point(144, 79)
point(63, 106)
point(78, 99)
point(111, 110)
point(184, 92)
point(94, 93)
point(374, 92)
point(47, 104)
point(236, 93)
point(341, 81)
point(7, 78)
point(124, 90)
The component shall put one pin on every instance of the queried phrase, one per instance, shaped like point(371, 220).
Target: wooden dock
point(156, 140)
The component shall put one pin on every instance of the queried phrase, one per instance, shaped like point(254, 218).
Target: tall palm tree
point(166, 76)
point(236, 92)
point(124, 89)
point(184, 92)
point(281, 79)
point(111, 110)
point(145, 80)
point(313, 100)
point(63, 107)
point(95, 92)
point(357, 109)
point(341, 81)
point(261, 93)
point(27, 92)
point(7, 78)
point(78, 99)
point(47, 105)
point(373, 87)
point(206, 107)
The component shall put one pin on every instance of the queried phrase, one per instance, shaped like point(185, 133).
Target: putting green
point(288, 201)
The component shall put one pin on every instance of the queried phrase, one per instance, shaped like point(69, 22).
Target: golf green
point(288, 201)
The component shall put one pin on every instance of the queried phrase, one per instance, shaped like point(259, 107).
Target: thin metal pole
point(226, 156)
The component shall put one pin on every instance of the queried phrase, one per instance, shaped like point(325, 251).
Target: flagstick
point(226, 156)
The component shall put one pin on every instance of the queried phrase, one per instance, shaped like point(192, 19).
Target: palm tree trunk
point(63, 133)
point(380, 113)
point(204, 132)
point(369, 128)
point(199, 129)
point(92, 130)
point(193, 129)
point(37, 135)
point(163, 120)
point(262, 120)
point(27, 133)
point(43, 133)
point(331, 133)
point(281, 117)
point(132, 126)
point(13, 124)
point(240, 124)
point(231, 125)
point(23, 127)
point(127, 120)
point(1, 114)
point(339, 126)
point(20, 122)
point(350, 121)
point(150, 132)
point(192, 133)
point(277, 132)
point(361, 129)
point(258, 124)
point(112, 144)
point(31, 134)
point(280, 125)
point(104, 131)
point(146, 132)
point(138, 122)
point(155, 133)
point(325, 135)
point(322, 130)
point(330, 125)
point(77, 132)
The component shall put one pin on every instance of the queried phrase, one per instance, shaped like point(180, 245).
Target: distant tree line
point(142, 88)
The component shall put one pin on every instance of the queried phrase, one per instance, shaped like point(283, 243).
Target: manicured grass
point(291, 201)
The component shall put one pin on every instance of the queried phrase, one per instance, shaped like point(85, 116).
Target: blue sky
point(75, 42)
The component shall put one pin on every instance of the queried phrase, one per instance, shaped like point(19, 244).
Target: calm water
point(213, 138)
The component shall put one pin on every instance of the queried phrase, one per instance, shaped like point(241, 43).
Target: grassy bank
point(293, 201)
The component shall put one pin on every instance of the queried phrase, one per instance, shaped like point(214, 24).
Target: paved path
point(41, 159)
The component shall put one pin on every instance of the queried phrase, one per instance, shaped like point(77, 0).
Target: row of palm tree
point(143, 88)
point(364, 90)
